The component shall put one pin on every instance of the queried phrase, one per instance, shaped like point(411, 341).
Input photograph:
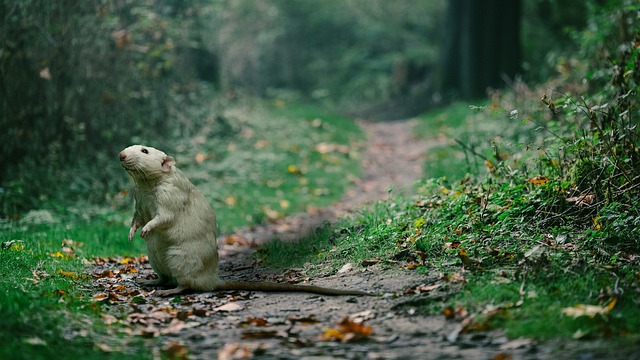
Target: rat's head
point(145, 163)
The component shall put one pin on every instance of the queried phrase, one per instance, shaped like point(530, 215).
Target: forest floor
point(238, 325)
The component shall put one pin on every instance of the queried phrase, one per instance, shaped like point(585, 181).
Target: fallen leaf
point(412, 266)
point(516, 344)
point(35, 341)
point(175, 350)
point(332, 335)
point(231, 200)
point(58, 254)
point(582, 200)
point(232, 306)
point(304, 321)
point(13, 245)
point(423, 288)
point(362, 316)
point(109, 319)
point(502, 356)
point(104, 347)
point(254, 321)
point(234, 352)
point(293, 169)
point(589, 310)
point(538, 180)
point(68, 274)
point(349, 331)
point(100, 297)
point(454, 278)
point(345, 268)
point(370, 262)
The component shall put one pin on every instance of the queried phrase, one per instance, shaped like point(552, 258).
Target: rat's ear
point(167, 163)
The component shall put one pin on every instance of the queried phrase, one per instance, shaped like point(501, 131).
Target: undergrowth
point(545, 216)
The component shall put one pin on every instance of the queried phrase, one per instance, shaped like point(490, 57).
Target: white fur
point(178, 224)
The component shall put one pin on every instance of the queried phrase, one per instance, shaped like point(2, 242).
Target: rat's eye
point(145, 151)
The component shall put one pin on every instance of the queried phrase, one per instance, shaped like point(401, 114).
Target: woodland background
point(81, 80)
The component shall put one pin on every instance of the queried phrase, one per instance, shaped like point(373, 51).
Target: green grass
point(277, 159)
point(370, 236)
point(45, 294)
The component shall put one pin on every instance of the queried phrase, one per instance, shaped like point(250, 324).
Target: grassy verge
point(46, 302)
point(533, 256)
point(269, 160)
point(255, 161)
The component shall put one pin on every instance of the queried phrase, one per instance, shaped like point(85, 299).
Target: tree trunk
point(481, 46)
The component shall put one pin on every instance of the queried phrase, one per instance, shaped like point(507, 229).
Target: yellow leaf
point(332, 334)
point(69, 274)
point(284, 204)
point(292, 169)
point(58, 254)
point(538, 180)
point(589, 310)
point(420, 222)
point(596, 223)
point(231, 200)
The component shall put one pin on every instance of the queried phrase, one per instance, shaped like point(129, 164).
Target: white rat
point(179, 229)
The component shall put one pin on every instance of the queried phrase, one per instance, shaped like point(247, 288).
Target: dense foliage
point(78, 81)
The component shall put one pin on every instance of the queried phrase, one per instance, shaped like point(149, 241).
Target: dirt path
point(239, 325)
point(392, 160)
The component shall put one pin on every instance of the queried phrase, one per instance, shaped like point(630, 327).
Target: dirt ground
point(239, 325)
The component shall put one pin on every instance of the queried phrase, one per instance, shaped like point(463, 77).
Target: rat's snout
point(123, 156)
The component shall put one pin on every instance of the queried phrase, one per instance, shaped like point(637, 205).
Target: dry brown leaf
point(582, 200)
point(349, 331)
point(370, 262)
point(234, 352)
point(232, 306)
point(305, 320)
point(175, 350)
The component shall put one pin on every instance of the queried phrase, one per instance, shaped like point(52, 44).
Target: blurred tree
point(481, 46)
point(78, 82)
